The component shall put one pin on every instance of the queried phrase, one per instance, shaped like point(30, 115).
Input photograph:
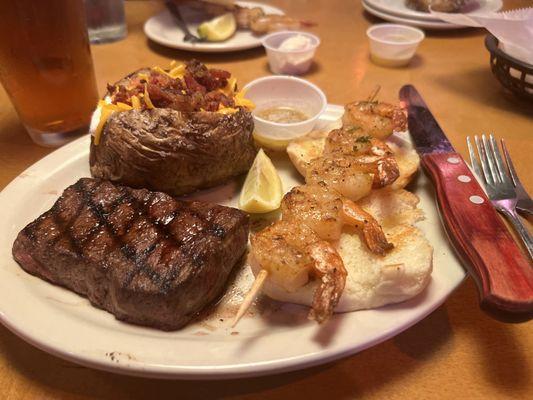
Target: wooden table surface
point(456, 352)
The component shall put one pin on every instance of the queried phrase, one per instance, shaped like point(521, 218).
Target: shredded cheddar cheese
point(146, 97)
point(176, 71)
point(135, 102)
point(226, 110)
point(241, 101)
point(143, 75)
point(121, 106)
point(106, 110)
point(105, 113)
point(230, 88)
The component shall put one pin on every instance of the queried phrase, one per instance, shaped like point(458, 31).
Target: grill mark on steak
point(67, 231)
point(140, 210)
point(96, 228)
point(64, 226)
point(138, 258)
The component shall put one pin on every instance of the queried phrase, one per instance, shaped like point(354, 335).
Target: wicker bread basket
point(513, 74)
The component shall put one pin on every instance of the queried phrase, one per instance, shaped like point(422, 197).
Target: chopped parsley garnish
point(363, 139)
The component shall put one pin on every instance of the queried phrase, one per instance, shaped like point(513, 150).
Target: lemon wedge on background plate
point(218, 29)
point(262, 191)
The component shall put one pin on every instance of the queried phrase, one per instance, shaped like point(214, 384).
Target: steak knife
point(504, 276)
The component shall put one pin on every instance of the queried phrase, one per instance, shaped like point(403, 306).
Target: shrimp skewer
point(291, 255)
point(375, 118)
point(353, 163)
point(345, 175)
point(325, 212)
point(250, 296)
point(295, 248)
point(373, 155)
point(371, 230)
point(330, 269)
point(272, 22)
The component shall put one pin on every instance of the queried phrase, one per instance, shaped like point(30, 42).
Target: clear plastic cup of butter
point(393, 45)
point(290, 52)
point(286, 107)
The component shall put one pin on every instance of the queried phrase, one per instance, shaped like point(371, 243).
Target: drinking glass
point(46, 67)
point(105, 20)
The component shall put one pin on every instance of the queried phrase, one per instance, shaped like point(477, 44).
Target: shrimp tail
point(387, 172)
point(399, 120)
point(373, 235)
point(329, 267)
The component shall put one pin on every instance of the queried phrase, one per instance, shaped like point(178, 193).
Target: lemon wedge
point(219, 28)
point(262, 191)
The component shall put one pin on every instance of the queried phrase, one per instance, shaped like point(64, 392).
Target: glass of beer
point(46, 67)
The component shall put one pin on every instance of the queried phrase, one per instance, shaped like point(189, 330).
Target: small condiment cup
point(289, 62)
point(393, 45)
point(285, 91)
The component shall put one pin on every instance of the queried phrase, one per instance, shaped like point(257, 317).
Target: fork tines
point(498, 184)
point(493, 168)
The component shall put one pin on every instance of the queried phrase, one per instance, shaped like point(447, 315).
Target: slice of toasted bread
point(392, 207)
point(407, 159)
point(302, 151)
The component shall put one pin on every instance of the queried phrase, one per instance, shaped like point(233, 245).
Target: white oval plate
point(162, 29)
point(60, 322)
point(434, 24)
point(398, 8)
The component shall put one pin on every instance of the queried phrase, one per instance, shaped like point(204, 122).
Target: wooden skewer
point(251, 295)
point(374, 93)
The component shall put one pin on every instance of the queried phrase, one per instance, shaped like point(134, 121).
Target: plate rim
point(205, 47)
point(196, 372)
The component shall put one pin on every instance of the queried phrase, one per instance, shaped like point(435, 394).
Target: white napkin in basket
point(514, 29)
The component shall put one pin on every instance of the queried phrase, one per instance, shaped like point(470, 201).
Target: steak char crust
point(144, 256)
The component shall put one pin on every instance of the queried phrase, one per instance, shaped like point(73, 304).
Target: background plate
point(162, 29)
point(436, 24)
point(65, 324)
point(398, 8)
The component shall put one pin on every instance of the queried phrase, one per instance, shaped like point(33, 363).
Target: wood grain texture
point(457, 352)
point(503, 273)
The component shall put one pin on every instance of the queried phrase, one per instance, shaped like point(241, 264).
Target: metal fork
point(176, 13)
point(524, 203)
point(499, 187)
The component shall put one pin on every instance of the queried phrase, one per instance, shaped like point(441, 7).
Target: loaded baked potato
point(176, 130)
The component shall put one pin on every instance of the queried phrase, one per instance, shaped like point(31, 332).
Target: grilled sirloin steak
point(145, 257)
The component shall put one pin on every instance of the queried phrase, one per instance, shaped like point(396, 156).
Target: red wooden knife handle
point(503, 274)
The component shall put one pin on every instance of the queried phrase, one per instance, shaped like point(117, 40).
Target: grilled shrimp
point(377, 119)
point(325, 212)
point(343, 174)
point(292, 254)
point(273, 22)
point(373, 154)
point(245, 15)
